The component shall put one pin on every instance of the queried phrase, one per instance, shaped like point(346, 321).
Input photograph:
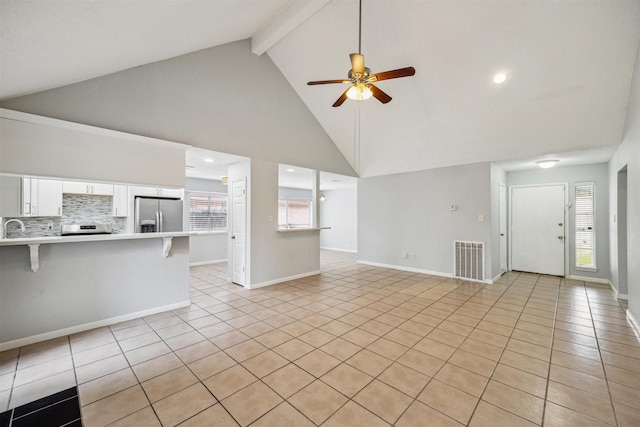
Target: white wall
point(276, 257)
point(628, 153)
point(57, 150)
point(410, 213)
point(340, 212)
point(571, 175)
point(224, 99)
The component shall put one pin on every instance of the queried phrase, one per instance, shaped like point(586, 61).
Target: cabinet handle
point(33, 209)
point(116, 211)
point(60, 210)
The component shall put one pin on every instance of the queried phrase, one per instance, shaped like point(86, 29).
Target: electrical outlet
point(481, 218)
point(404, 255)
point(50, 226)
point(413, 255)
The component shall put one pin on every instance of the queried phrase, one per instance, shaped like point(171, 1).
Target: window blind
point(208, 212)
point(585, 225)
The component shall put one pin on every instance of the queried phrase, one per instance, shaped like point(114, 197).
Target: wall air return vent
point(468, 260)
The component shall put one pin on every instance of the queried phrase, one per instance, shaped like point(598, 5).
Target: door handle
point(233, 237)
point(560, 237)
point(502, 234)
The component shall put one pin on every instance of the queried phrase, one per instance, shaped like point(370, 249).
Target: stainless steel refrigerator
point(154, 215)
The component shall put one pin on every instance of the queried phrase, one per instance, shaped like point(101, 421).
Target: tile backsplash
point(76, 209)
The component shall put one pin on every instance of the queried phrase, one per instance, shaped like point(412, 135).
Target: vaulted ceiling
point(568, 67)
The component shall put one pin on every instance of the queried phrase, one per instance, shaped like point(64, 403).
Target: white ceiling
point(568, 67)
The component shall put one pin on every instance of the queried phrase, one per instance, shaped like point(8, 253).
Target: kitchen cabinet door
point(49, 197)
point(77, 187)
point(41, 197)
point(120, 200)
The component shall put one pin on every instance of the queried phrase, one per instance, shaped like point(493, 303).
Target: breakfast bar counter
point(55, 286)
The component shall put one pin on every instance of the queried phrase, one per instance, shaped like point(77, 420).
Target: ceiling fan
point(360, 77)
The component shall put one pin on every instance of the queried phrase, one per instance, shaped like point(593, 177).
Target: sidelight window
point(208, 211)
point(585, 225)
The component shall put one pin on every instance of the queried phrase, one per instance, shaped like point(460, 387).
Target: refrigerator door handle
point(161, 221)
point(157, 221)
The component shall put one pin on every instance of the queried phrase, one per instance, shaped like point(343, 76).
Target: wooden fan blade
point(378, 94)
point(327, 82)
point(393, 74)
point(341, 100)
point(357, 63)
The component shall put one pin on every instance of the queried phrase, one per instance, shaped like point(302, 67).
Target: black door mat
point(58, 410)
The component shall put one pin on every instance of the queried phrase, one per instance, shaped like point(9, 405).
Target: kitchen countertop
point(92, 238)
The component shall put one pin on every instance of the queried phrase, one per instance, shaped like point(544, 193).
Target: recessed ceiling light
point(499, 78)
point(208, 160)
point(546, 164)
point(291, 170)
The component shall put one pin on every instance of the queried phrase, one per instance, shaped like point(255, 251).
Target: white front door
point(537, 234)
point(503, 228)
point(238, 231)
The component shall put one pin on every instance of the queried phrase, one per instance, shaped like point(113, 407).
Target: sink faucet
point(4, 233)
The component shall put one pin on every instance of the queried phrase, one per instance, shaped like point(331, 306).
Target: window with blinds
point(208, 211)
point(294, 213)
point(585, 225)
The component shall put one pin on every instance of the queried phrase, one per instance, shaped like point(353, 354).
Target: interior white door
point(503, 228)
point(538, 229)
point(238, 231)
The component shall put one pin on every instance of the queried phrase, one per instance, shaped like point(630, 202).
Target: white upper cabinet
point(157, 192)
point(120, 200)
point(41, 197)
point(75, 187)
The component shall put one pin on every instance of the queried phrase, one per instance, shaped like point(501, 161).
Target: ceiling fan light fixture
point(359, 92)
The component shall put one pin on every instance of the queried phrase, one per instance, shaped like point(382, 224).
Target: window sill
point(591, 270)
point(295, 230)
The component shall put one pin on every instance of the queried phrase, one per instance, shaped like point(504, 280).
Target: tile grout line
point(606, 380)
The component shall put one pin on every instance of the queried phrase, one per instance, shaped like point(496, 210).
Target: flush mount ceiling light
point(208, 160)
point(322, 197)
point(290, 170)
point(499, 78)
point(546, 164)
point(360, 77)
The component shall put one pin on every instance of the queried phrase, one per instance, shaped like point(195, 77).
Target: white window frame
point(583, 227)
point(209, 226)
point(287, 223)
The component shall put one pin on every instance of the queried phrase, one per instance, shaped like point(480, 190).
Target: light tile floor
point(354, 346)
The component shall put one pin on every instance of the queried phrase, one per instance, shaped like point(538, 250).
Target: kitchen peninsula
point(58, 285)
point(54, 286)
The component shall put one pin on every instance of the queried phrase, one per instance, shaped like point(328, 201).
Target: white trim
point(495, 279)
point(63, 124)
point(634, 321)
point(623, 297)
point(215, 261)
point(351, 251)
point(591, 279)
point(20, 342)
point(282, 279)
point(403, 268)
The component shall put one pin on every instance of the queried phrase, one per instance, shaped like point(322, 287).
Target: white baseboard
point(404, 268)
point(282, 279)
point(351, 251)
point(590, 279)
point(215, 261)
point(20, 342)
